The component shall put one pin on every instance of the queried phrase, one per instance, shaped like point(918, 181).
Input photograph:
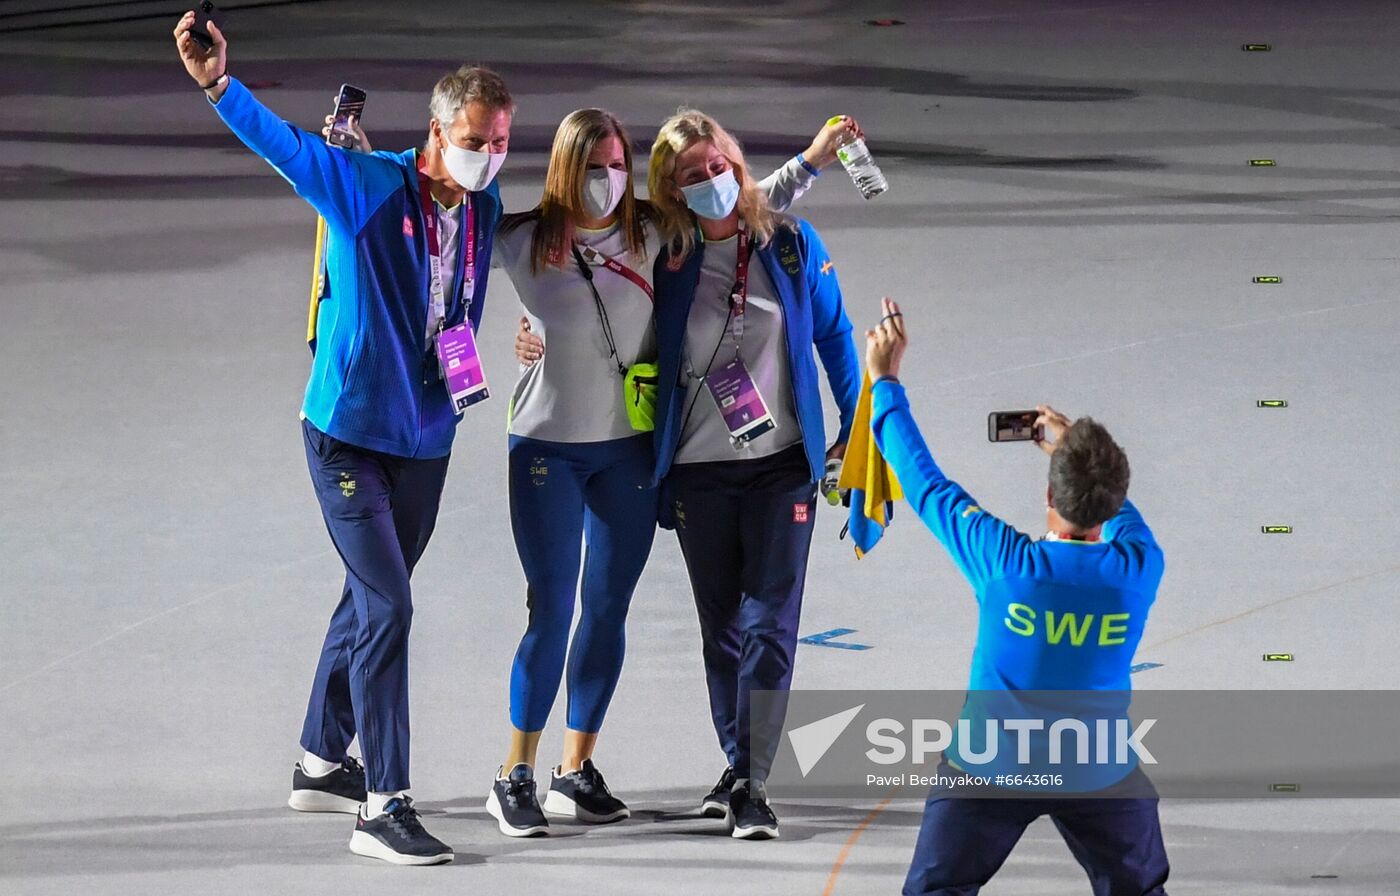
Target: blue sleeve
point(982, 546)
point(1129, 533)
point(831, 330)
point(345, 187)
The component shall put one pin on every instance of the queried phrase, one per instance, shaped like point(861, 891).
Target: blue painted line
point(1143, 667)
point(824, 639)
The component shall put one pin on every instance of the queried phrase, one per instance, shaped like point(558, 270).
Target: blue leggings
point(561, 494)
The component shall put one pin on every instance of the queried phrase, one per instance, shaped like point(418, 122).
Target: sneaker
point(514, 805)
point(342, 790)
point(753, 819)
point(396, 835)
point(583, 795)
point(716, 802)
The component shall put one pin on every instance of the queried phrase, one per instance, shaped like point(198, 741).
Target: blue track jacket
point(1053, 615)
point(813, 314)
point(374, 383)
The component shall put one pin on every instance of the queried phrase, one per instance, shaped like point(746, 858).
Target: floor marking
point(1141, 342)
point(1143, 667)
point(1256, 48)
point(823, 639)
point(1274, 603)
point(850, 844)
point(1276, 530)
point(1278, 657)
point(204, 598)
point(1273, 403)
point(1268, 279)
point(1262, 163)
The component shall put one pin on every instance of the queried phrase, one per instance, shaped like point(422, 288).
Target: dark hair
point(1088, 475)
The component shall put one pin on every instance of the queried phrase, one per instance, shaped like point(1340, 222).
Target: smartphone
point(1013, 426)
point(350, 103)
point(203, 15)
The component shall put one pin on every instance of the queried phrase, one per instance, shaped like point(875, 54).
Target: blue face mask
point(714, 198)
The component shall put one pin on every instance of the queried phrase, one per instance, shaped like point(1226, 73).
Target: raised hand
point(885, 344)
point(822, 152)
point(204, 66)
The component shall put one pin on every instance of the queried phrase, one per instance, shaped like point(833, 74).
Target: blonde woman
point(582, 264)
point(743, 295)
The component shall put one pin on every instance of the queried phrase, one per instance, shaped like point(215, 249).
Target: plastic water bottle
point(833, 476)
point(860, 164)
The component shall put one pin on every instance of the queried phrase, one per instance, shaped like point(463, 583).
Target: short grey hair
point(468, 84)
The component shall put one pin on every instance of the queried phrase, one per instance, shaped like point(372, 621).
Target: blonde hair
point(562, 202)
point(675, 221)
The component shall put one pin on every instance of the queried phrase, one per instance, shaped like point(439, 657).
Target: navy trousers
point(380, 510)
point(963, 841)
point(745, 530)
point(561, 494)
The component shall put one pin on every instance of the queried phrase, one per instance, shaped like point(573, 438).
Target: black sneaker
point(342, 790)
point(396, 835)
point(514, 805)
point(753, 820)
point(583, 795)
point(716, 802)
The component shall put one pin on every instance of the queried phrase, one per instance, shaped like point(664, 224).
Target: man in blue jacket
point(408, 252)
point(1064, 613)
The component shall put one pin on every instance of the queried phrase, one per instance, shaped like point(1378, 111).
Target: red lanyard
point(430, 223)
point(617, 267)
point(739, 295)
point(739, 292)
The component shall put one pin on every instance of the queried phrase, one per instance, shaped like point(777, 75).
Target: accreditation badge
point(744, 412)
point(461, 367)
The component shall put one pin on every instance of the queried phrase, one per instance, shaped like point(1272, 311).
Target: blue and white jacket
point(373, 383)
point(813, 314)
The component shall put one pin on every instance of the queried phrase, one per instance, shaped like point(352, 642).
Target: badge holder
point(461, 367)
point(744, 412)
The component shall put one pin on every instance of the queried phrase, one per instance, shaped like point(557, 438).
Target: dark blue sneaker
point(583, 795)
point(342, 790)
point(396, 835)
point(716, 802)
point(752, 817)
point(514, 805)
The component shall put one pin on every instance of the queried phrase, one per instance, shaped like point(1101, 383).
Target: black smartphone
point(1013, 426)
point(203, 15)
point(350, 103)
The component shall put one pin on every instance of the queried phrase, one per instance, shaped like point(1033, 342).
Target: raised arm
point(795, 176)
point(329, 178)
point(982, 546)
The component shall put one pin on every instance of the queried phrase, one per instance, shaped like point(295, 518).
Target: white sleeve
point(786, 185)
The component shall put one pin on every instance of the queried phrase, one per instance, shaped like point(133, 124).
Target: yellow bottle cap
point(835, 119)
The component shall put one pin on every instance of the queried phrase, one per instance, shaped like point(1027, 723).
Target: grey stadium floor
point(1072, 220)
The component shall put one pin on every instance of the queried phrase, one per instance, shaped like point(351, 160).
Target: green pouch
point(639, 392)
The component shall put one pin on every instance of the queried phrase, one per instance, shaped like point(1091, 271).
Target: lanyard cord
point(587, 273)
point(700, 380)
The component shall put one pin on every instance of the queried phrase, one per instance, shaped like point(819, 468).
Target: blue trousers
point(561, 494)
point(745, 529)
point(380, 511)
point(963, 841)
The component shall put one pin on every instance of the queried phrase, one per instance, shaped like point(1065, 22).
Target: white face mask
point(603, 189)
point(470, 169)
